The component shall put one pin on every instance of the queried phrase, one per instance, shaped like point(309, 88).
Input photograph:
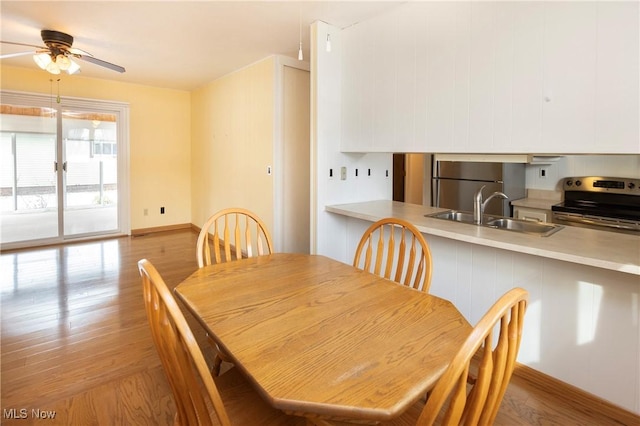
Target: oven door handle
point(585, 220)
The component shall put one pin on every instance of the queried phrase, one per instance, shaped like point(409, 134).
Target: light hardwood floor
point(75, 341)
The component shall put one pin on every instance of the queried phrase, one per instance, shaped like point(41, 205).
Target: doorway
point(411, 178)
point(64, 170)
point(399, 175)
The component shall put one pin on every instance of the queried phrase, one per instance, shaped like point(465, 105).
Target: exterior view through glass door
point(90, 172)
point(60, 171)
point(28, 179)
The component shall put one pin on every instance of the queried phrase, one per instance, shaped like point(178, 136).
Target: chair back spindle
point(186, 369)
point(395, 249)
point(470, 394)
point(199, 398)
point(232, 234)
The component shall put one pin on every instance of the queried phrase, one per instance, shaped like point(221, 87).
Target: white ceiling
point(175, 44)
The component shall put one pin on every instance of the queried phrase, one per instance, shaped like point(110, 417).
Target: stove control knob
point(631, 185)
point(578, 182)
point(569, 182)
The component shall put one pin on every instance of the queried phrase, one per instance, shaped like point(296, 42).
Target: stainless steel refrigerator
point(454, 184)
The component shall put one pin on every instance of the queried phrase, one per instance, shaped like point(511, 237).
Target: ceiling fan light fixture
point(63, 62)
point(42, 60)
point(59, 55)
point(73, 67)
point(53, 68)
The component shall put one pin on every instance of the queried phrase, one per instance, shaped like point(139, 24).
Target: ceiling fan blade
point(13, 55)
point(76, 51)
point(101, 63)
point(23, 44)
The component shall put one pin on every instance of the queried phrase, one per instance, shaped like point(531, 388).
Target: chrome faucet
point(479, 205)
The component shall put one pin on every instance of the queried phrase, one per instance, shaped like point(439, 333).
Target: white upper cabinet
point(617, 94)
point(494, 77)
point(569, 75)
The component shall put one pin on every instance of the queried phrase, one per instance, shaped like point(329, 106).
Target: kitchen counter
point(534, 203)
point(538, 199)
point(601, 249)
point(581, 326)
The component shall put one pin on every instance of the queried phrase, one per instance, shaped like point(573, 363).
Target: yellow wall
point(232, 134)
point(160, 139)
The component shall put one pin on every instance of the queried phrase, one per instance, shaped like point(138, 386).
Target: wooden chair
point(200, 399)
point(466, 395)
point(408, 262)
point(237, 233)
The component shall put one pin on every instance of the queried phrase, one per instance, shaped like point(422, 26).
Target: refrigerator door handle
point(435, 192)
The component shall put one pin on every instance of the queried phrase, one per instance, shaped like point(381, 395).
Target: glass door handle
point(55, 166)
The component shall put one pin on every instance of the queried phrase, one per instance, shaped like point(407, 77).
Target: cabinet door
point(617, 124)
point(569, 76)
point(527, 87)
point(494, 77)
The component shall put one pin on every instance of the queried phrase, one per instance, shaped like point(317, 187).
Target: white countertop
point(534, 203)
point(539, 199)
point(601, 249)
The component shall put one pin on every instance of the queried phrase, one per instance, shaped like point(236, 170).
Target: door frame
point(121, 110)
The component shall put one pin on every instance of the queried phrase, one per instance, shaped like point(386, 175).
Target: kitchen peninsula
point(583, 321)
point(608, 250)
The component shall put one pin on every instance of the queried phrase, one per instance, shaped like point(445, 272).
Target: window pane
point(90, 180)
point(28, 186)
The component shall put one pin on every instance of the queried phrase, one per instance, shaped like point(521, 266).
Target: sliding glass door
point(28, 179)
point(62, 171)
point(90, 172)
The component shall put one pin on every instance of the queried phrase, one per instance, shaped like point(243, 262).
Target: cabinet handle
point(531, 219)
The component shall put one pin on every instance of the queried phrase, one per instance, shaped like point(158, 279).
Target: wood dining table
point(322, 339)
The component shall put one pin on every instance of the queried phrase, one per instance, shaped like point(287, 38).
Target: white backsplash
point(627, 166)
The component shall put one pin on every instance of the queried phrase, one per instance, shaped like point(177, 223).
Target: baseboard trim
point(144, 231)
point(582, 400)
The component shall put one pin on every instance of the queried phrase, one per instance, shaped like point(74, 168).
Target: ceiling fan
point(59, 55)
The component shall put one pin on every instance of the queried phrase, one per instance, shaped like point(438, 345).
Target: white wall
point(328, 233)
point(627, 166)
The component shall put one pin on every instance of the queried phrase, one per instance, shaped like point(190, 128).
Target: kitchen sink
point(497, 222)
point(525, 226)
point(453, 215)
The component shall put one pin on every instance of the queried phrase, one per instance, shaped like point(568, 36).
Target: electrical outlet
point(543, 173)
point(269, 170)
point(330, 173)
point(161, 210)
point(356, 173)
point(369, 172)
point(343, 173)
